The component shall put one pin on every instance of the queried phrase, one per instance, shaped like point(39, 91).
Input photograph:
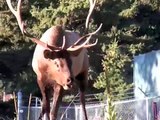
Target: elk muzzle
point(69, 84)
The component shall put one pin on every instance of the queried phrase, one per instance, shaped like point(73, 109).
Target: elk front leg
point(45, 101)
point(57, 98)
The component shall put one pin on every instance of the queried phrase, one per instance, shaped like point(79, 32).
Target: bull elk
point(60, 59)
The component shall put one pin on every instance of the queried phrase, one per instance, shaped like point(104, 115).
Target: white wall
point(146, 74)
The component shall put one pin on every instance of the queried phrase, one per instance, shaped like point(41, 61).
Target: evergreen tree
point(113, 77)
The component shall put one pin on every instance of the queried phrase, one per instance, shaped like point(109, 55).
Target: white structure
point(146, 78)
point(147, 74)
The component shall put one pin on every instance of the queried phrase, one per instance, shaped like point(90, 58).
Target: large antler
point(22, 26)
point(73, 47)
point(17, 14)
point(92, 5)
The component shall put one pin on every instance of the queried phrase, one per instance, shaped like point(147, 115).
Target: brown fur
point(57, 70)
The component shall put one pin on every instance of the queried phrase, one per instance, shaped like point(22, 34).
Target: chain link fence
point(138, 109)
point(135, 109)
point(94, 111)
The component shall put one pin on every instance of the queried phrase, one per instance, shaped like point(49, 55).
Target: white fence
point(141, 109)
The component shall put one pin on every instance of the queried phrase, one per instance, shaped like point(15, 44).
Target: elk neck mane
point(54, 36)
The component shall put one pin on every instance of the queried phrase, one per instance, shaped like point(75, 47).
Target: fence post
point(147, 108)
point(20, 111)
point(36, 109)
point(76, 112)
point(81, 113)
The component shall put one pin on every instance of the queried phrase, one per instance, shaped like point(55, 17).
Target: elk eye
point(56, 64)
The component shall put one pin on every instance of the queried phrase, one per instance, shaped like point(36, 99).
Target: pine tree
point(113, 78)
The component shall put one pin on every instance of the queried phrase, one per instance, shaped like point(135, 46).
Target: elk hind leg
point(82, 83)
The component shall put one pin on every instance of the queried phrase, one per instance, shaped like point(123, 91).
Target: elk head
point(61, 67)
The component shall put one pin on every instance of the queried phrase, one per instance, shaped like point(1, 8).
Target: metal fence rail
point(95, 112)
point(135, 109)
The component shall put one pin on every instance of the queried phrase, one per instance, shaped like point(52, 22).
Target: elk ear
point(47, 54)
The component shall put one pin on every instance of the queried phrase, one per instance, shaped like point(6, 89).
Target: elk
point(60, 59)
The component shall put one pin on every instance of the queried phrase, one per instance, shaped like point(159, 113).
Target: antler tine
point(97, 29)
point(64, 42)
point(90, 34)
point(17, 14)
point(92, 5)
point(74, 48)
point(90, 45)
